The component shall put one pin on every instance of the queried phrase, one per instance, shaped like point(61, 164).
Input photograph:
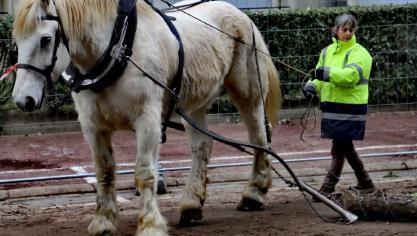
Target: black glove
point(309, 91)
point(318, 73)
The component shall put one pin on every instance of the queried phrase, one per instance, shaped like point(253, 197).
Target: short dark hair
point(342, 20)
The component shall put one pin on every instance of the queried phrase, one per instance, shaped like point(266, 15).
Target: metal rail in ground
point(162, 170)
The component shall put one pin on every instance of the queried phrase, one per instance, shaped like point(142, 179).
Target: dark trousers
point(342, 149)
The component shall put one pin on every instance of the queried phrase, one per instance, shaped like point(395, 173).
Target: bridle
point(47, 72)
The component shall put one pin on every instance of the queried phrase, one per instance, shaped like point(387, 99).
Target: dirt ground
point(286, 212)
point(56, 153)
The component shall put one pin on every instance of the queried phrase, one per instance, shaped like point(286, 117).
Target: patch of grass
point(391, 174)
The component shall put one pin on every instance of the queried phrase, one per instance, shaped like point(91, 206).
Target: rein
point(350, 218)
point(176, 86)
point(120, 55)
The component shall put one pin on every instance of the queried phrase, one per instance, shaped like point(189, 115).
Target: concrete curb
point(218, 178)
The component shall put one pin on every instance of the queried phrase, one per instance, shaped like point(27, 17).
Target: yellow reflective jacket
point(344, 91)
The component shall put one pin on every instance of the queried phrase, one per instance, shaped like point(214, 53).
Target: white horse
point(213, 61)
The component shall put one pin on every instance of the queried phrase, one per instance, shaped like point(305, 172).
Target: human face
point(345, 33)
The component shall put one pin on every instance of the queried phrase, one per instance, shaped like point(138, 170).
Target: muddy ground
point(286, 211)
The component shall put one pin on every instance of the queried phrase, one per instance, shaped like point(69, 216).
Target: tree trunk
point(379, 205)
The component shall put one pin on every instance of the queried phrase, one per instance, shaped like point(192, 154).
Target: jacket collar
point(342, 45)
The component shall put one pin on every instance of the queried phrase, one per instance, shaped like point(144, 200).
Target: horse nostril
point(30, 104)
point(20, 105)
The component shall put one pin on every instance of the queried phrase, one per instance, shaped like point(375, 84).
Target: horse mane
point(27, 17)
point(75, 15)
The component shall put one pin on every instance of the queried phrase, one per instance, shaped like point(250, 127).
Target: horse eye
point(45, 41)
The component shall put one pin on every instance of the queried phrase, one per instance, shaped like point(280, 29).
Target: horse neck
point(89, 44)
point(88, 24)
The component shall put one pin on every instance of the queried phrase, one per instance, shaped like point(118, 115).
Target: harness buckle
point(118, 52)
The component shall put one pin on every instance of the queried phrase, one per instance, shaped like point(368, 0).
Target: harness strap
point(34, 68)
point(240, 145)
point(113, 61)
point(58, 19)
point(47, 72)
point(266, 118)
point(183, 7)
point(176, 84)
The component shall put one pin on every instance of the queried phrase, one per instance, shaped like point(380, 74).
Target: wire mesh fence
point(392, 95)
point(59, 153)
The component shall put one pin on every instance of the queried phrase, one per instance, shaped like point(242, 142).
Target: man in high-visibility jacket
point(341, 79)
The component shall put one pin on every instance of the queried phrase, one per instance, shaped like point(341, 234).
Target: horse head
point(37, 34)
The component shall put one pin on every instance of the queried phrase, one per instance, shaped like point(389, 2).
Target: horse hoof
point(191, 217)
point(105, 233)
point(247, 204)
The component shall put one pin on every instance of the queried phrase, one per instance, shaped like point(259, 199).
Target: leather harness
point(110, 66)
point(114, 60)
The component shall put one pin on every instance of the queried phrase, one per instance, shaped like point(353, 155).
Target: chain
point(307, 75)
point(360, 201)
point(307, 199)
point(317, 213)
point(386, 201)
point(288, 182)
point(56, 102)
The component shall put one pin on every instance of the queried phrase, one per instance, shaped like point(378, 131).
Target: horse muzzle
point(29, 103)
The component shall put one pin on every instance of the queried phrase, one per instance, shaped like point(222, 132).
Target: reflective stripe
point(362, 80)
point(347, 56)
point(326, 74)
point(336, 116)
point(323, 55)
point(345, 61)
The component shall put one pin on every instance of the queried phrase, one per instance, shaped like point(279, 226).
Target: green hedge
point(7, 55)
point(296, 37)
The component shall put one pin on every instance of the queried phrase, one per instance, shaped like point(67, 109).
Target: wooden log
point(379, 205)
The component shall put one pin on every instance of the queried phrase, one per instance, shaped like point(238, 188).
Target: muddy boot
point(327, 192)
point(364, 181)
point(334, 172)
point(365, 184)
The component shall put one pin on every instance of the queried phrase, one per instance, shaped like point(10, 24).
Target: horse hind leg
point(253, 196)
point(105, 219)
point(251, 110)
point(194, 192)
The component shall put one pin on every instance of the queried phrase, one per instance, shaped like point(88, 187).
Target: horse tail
point(274, 96)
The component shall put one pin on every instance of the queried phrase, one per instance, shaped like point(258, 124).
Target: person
point(340, 80)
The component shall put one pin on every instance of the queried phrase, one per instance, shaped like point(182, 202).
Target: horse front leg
point(194, 192)
point(105, 219)
point(151, 222)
